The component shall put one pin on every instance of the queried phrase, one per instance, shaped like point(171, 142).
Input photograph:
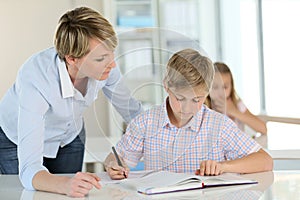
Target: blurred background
point(258, 39)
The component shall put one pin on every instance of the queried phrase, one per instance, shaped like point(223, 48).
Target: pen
point(118, 159)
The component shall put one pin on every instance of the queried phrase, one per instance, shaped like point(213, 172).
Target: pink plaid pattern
point(208, 136)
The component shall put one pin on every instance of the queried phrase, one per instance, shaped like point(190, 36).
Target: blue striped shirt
point(43, 111)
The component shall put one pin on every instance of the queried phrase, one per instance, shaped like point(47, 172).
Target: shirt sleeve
point(131, 145)
point(120, 96)
point(32, 108)
point(236, 144)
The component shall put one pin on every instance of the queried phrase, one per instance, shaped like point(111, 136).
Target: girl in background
point(224, 99)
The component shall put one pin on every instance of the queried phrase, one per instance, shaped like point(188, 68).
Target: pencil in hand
point(118, 160)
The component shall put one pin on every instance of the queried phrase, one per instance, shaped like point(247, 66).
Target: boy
point(184, 135)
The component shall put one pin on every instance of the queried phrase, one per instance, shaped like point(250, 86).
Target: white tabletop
point(272, 185)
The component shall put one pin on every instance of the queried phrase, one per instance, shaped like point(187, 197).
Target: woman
point(41, 115)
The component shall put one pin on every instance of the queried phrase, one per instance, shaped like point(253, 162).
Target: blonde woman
point(41, 115)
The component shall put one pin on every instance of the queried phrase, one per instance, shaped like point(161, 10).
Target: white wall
point(29, 26)
point(26, 27)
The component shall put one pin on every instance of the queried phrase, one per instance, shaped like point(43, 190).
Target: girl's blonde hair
point(77, 26)
point(188, 68)
point(224, 69)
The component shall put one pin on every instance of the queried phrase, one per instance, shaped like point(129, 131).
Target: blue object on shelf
point(135, 21)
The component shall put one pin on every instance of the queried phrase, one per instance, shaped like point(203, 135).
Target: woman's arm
point(120, 96)
point(77, 186)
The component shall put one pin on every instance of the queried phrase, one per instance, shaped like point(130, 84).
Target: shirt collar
point(66, 84)
point(193, 124)
point(196, 121)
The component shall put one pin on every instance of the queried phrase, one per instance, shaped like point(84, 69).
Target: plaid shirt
point(208, 136)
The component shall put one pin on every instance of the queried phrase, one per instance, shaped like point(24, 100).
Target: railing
point(280, 119)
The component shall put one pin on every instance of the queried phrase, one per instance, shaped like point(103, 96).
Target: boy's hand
point(210, 167)
point(81, 184)
point(115, 171)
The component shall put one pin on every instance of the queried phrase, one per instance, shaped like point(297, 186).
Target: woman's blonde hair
point(188, 68)
point(77, 26)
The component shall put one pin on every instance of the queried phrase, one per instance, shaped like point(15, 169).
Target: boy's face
point(97, 64)
point(185, 103)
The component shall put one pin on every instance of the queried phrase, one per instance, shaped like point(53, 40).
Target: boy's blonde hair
point(188, 68)
point(77, 26)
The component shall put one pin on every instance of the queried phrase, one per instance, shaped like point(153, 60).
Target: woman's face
point(221, 87)
point(97, 64)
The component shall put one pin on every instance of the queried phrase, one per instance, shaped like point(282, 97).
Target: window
point(281, 51)
point(239, 44)
point(274, 52)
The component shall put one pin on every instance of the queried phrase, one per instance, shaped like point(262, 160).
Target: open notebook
point(159, 182)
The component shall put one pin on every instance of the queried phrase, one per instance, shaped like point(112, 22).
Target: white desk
point(272, 185)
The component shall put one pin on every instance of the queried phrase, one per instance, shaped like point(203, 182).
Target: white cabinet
point(149, 32)
point(134, 13)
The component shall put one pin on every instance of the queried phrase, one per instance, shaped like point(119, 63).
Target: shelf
point(134, 14)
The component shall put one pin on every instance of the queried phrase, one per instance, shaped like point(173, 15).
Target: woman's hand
point(81, 184)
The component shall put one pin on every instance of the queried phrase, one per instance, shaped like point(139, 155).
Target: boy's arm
point(255, 162)
point(77, 186)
